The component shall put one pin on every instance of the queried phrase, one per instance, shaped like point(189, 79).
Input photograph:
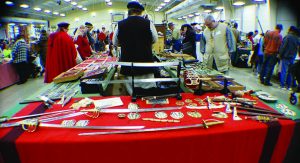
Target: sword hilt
point(30, 125)
point(211, 122)
point(3, 119)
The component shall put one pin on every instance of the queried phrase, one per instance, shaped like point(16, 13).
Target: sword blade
point(138, 110)
point(62, 117)
point(92, 127)
point(151, 129)
point(40, 114)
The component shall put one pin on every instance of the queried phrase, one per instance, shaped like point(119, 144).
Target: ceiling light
point(62, 14)
point(11, 24)
point(162, 4)
point(238, 3)
point(24, 5)
point(23, 24)
point(79, 6)
point(84, 9)
point(166, 1)
point(259, 0)
point(67, 0)
point(159, 7)
point(179, 18)
point(190, 15)
point(37, 9)
point(184, 17)
point(109, 3)
point(74, 3)
point(207, 11)
point(93, 14)
point(76, 19)
point(197, 14)
point(9, 3)
point(55, 13)
point(47, 11)
point(157, 10)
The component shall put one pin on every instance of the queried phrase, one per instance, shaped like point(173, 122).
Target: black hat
point(135, 5)
point(63, 24)
point(88, 24)
point(193, 24)
point(171, 24)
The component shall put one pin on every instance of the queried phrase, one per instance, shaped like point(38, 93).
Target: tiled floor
point(10, 96)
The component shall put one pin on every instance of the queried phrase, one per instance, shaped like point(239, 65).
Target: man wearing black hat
point(136, 35)
point(89, 27)
point(61, 53)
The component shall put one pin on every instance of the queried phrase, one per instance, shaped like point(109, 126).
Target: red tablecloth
point(8, 75)
point(244, 141)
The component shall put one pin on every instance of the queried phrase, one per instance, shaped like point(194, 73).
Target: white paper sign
point(109, 102)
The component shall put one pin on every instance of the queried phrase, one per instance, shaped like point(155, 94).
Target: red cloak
point(83, 48)
point(61, 55)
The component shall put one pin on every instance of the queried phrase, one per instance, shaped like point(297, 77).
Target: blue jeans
point(285, 76)
point(267, 69)
point(259, 63)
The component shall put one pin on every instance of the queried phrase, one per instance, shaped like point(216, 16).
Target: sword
point(4, 119)
point(267, 115)
point(205, 107)
point(119, 110)
point(31, 125)
point(205, 124)
point(158, 97)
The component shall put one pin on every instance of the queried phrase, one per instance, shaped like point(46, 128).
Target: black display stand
point(201, 91)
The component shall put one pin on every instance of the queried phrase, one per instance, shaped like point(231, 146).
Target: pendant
point(161, 115)
point(133, 116)
point(194, 114)
point(177, 115)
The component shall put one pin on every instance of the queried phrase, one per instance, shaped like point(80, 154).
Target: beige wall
point(103, 16)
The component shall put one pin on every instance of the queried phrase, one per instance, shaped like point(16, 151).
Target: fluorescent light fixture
point(219, 8)
point(79, 6)
point(159, 7)
point(62, 14)
point(207, 11)
point(184, 17)
point(157, 10)
point(55, 13)
point(259, 0)
point(167, 1)
point(109, 3)
point(84, 9)
point(24, 5)
point(74, 3)
point(162, 4)
point(93, 14)
point(179, 18)
point(37, 9)
point(67, 0)
point(238, 3)
point(197, 14)
point(23, 24)
point(76, 19)
point(11, 24)
point(9, 3)
point(47, 11)
point(190, 15)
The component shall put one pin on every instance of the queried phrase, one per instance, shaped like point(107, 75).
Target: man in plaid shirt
point(20, 58)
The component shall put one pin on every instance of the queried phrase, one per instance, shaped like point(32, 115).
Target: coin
point(198, 99)
point(121, 116)
point(133, 116)
point(177, 115)
point(220, 115)
point(161, 115)
point(188, 101)
point(192, 104)
point(194, 114)
point(179, 103)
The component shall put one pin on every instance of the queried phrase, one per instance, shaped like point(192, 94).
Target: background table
point(8, 75)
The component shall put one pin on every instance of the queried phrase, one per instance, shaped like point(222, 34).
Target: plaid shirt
point(19, 52)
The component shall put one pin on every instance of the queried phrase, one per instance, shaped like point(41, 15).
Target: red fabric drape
point(61, 55)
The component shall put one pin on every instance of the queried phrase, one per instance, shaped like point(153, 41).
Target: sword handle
point(3, 119)
point(215, 122)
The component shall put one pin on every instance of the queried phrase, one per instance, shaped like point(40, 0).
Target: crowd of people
point(212, 42)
